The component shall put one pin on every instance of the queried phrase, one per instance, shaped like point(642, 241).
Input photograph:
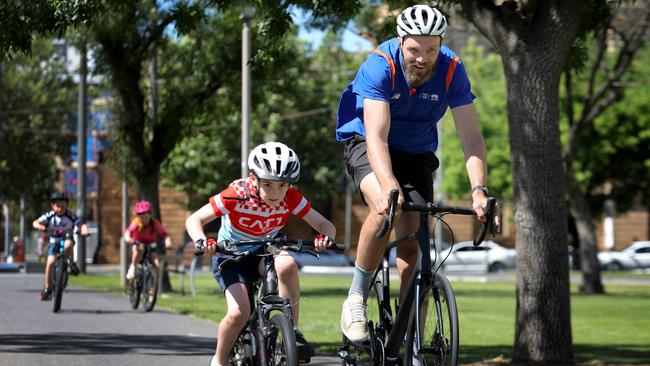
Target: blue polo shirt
point(414, 113)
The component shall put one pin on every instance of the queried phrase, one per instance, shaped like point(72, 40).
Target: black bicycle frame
point(267, 301)
point(420, 277)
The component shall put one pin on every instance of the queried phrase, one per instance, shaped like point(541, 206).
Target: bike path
point(97, 328)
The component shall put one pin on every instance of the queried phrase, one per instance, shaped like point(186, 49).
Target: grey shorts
point(414, 172)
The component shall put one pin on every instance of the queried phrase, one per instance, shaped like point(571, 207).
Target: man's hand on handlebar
point(479, 202)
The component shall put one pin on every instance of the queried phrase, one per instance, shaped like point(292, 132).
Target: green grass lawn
point(613, 328)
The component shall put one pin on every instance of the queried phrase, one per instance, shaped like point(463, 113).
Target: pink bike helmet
point(142, 207)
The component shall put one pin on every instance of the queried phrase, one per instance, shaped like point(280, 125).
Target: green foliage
point(488, 84)
point(19, 20)
point(36, 99)
point(293, 101)
point(613, 157)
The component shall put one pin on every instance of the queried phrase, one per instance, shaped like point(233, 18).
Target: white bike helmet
point(421, 20)
point(274, 161)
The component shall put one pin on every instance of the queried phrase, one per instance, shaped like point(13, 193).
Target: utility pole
point(81, 154)
point(124, 255)
point(245, 85)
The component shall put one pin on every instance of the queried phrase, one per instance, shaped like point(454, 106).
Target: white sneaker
point(353, 318)
point(130, 274)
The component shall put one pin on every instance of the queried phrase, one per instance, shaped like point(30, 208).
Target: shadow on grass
point(66, 343)
point(583, 354)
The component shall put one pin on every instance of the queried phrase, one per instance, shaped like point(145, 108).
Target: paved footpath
point(97, 328)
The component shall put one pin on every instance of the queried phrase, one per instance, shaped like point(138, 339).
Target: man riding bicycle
point(387, 117)
point(144, 230)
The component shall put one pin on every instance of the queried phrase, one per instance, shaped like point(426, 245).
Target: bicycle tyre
point(438, 348)
point(133, 289)
point(59, 278)
point(281, 342)
point(150, 293)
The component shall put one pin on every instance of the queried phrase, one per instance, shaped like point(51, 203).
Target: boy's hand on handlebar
point(321, 242)
point(206, 247)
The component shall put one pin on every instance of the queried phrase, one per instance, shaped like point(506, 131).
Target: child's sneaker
point(74, 270)
point(305, 350)
point(130, 274)
point(45, 294)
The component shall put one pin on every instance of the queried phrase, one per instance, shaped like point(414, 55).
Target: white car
point(636, 255)
point(487, 257)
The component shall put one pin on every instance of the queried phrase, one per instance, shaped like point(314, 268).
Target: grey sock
point(360, 282)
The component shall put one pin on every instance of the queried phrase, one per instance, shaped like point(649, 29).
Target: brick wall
point(110, 203)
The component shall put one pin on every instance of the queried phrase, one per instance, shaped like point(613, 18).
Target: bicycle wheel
point(242, 351)
point(439, 327)
point(281, 342)
point(59, 278)
point(133, 289)
point(150, 292)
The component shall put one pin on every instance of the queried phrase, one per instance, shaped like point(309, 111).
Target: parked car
point(464, 256)
point(326, 258)
point(636, 255)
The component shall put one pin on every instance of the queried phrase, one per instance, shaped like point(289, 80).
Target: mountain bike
point(268, 337)
point(426, 320)
point(145, 283)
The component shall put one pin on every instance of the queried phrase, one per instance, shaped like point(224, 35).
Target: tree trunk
point(543, 326)
point(579, 206)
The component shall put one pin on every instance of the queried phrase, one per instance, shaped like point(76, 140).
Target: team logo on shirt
point(431, 97)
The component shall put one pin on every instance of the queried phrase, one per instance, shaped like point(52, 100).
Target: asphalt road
point(97, 328)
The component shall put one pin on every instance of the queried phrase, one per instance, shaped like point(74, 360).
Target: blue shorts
point(244, 271)
point(54, 242)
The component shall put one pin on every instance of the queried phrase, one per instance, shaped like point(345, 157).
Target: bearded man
point(387, 118)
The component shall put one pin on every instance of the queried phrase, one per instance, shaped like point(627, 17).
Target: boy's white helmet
point(421, 20)
point(274, 161)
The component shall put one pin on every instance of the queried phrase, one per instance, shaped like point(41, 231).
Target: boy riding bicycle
point(59, 222)
point(144, 230)
point(251, 208)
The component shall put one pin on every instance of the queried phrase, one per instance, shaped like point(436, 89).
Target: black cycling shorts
point(414, 172)
point(244, 271)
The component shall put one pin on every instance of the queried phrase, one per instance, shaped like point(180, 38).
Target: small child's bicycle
point(145, 283)
point(59, 273)
point(268, 337)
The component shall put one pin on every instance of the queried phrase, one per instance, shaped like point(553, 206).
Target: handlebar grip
point(387, 225)
point(199, 249)
point(489, 220)
point(340, 248)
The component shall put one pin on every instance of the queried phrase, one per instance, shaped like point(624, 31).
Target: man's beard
point(417, 77)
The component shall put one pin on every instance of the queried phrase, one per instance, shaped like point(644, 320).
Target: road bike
point(425, 322)
point(268, 337)
point(145, 283)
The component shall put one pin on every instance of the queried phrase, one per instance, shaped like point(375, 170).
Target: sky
point(351, 41)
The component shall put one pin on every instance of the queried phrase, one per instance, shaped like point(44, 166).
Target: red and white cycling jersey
point(244, 217)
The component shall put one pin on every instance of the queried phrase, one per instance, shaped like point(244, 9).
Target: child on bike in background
point(144, 230)
point(59, 222)
point(251, 208)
